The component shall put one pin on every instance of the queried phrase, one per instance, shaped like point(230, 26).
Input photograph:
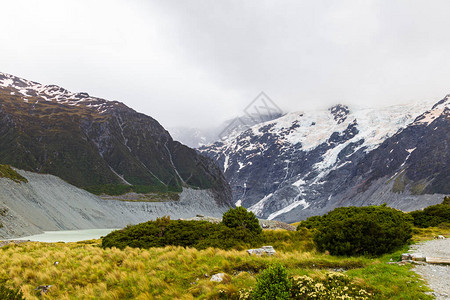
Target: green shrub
point(159, 233)
point(272, 283)
point(226, 238)
point(10, 294)
point(446, 201)
point(310, 223)
point(240, 218)
point(371, 230)
point(239, 229)
point(196, 234)
point(444, 225)
point(433, 215)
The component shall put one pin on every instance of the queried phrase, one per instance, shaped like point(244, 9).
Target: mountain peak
point(443, 102)
point(440, 108)
point(339, 112)
point(33, 92)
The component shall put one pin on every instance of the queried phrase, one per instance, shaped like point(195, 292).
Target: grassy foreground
point(86, 271)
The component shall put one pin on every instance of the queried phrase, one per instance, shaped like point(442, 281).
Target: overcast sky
point(195, 63)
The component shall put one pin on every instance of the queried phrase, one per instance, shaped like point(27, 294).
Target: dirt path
point(437, 276)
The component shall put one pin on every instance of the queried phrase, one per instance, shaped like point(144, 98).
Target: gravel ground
point(437, 276)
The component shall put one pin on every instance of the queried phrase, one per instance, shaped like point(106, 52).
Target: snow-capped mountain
point(93, 143)
point(29, 90)
point(306, 163)
point(198, 137)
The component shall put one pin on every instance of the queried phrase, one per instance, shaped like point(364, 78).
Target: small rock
point(264, 250)
point(440, 237)
point(338, 270)
point(258, 251)
point(269, 250)
point(217, 277)
point(406, 256)
point(43, 288)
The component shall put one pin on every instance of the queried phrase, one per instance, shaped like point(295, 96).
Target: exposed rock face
point(308, 163)
point(92, 142)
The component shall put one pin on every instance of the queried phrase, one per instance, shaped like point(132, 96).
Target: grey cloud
point(195, 63)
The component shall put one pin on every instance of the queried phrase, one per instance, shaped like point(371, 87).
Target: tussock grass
point(423, 234)
point(86, 271)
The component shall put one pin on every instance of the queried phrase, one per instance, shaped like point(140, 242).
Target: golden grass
point(86, 271)
point(423, 234)
point(89, 272)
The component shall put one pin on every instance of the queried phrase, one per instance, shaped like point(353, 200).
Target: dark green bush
point(272, 283)
point(371, 230)
point(10, 294)
point(444, 225)
point(230, 238)
point(240, 218)
point(433, 215)
point(310, 223)
point(196, 234)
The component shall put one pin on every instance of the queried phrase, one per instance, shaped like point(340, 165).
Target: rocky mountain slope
point(45, 203)
point(307, 163)
point(96, 144)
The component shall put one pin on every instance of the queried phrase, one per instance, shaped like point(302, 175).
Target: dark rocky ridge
point(89, 141)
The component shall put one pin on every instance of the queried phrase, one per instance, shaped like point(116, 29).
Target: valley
point(73, 166)
point(47, 203)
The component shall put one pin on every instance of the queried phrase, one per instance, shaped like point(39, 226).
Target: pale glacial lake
point(67, 235)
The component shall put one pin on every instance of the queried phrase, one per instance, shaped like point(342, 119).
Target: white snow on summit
point(51, 93)
point(437, 110)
